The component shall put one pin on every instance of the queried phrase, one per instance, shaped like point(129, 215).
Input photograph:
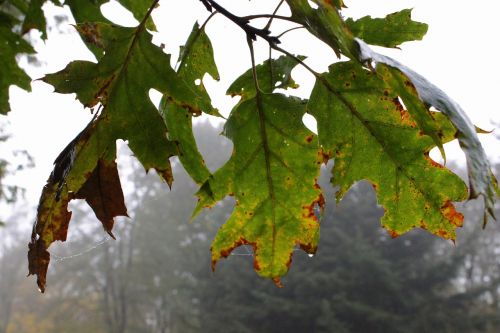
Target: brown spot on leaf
point(324, 156)
point(309, 138)
point(308, 210)
point(393, 233)
point(227, 252)
point(195, 111)
point(91, 34)
point(427, 207)
point(423, 225)
point(444, 234)
point(451, 214)
point(289, 261)
point(167, 175)
point(406, 118)
point(309, 248)
point(432, 162)
point(277, 282)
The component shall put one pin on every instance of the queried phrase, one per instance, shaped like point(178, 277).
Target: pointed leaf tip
point(391, 31)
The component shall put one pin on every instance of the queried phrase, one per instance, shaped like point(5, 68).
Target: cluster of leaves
point(373, 115)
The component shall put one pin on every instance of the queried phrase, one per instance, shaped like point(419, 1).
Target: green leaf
point(338, 3)
point(10, 73)
point(35, 18)
point(482, 182)
point(121, 81)
point(272, 74)
point(403, 87)
point(217, 187)
point(325, 23)
point(391, 31)
point(180, 130)
point(132, 64)
point(195, 60)
point(7, 20)
point(272, 174)
point(364, 127)
point(275, 190)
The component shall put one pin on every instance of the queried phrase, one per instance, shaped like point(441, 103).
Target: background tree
point(360, 279)
point(352, 297)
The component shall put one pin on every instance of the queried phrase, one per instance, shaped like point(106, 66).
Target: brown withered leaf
point(85, 169)
point(38, 258)
point(103, 192)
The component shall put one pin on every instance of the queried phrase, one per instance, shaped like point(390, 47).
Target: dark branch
point(243, 23)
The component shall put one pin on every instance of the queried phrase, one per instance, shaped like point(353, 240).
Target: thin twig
point(268, 25)
point(291, 29)
point(243, 23)
point(254, 66)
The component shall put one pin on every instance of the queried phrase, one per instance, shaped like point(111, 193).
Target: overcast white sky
point(459, 54)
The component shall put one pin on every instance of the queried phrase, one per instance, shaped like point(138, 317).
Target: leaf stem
point(148, 14)
point(265, 144)
point(278, 17)
point(289, 30)
point(268, 25)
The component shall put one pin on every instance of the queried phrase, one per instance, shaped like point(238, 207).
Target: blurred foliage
point(156, 277)
point(13, 162)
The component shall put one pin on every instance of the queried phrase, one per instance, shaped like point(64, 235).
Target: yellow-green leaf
point(371, 136)
point(275, 190)
point(482, 182)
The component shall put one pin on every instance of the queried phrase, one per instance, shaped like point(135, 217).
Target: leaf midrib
point(267, 158)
